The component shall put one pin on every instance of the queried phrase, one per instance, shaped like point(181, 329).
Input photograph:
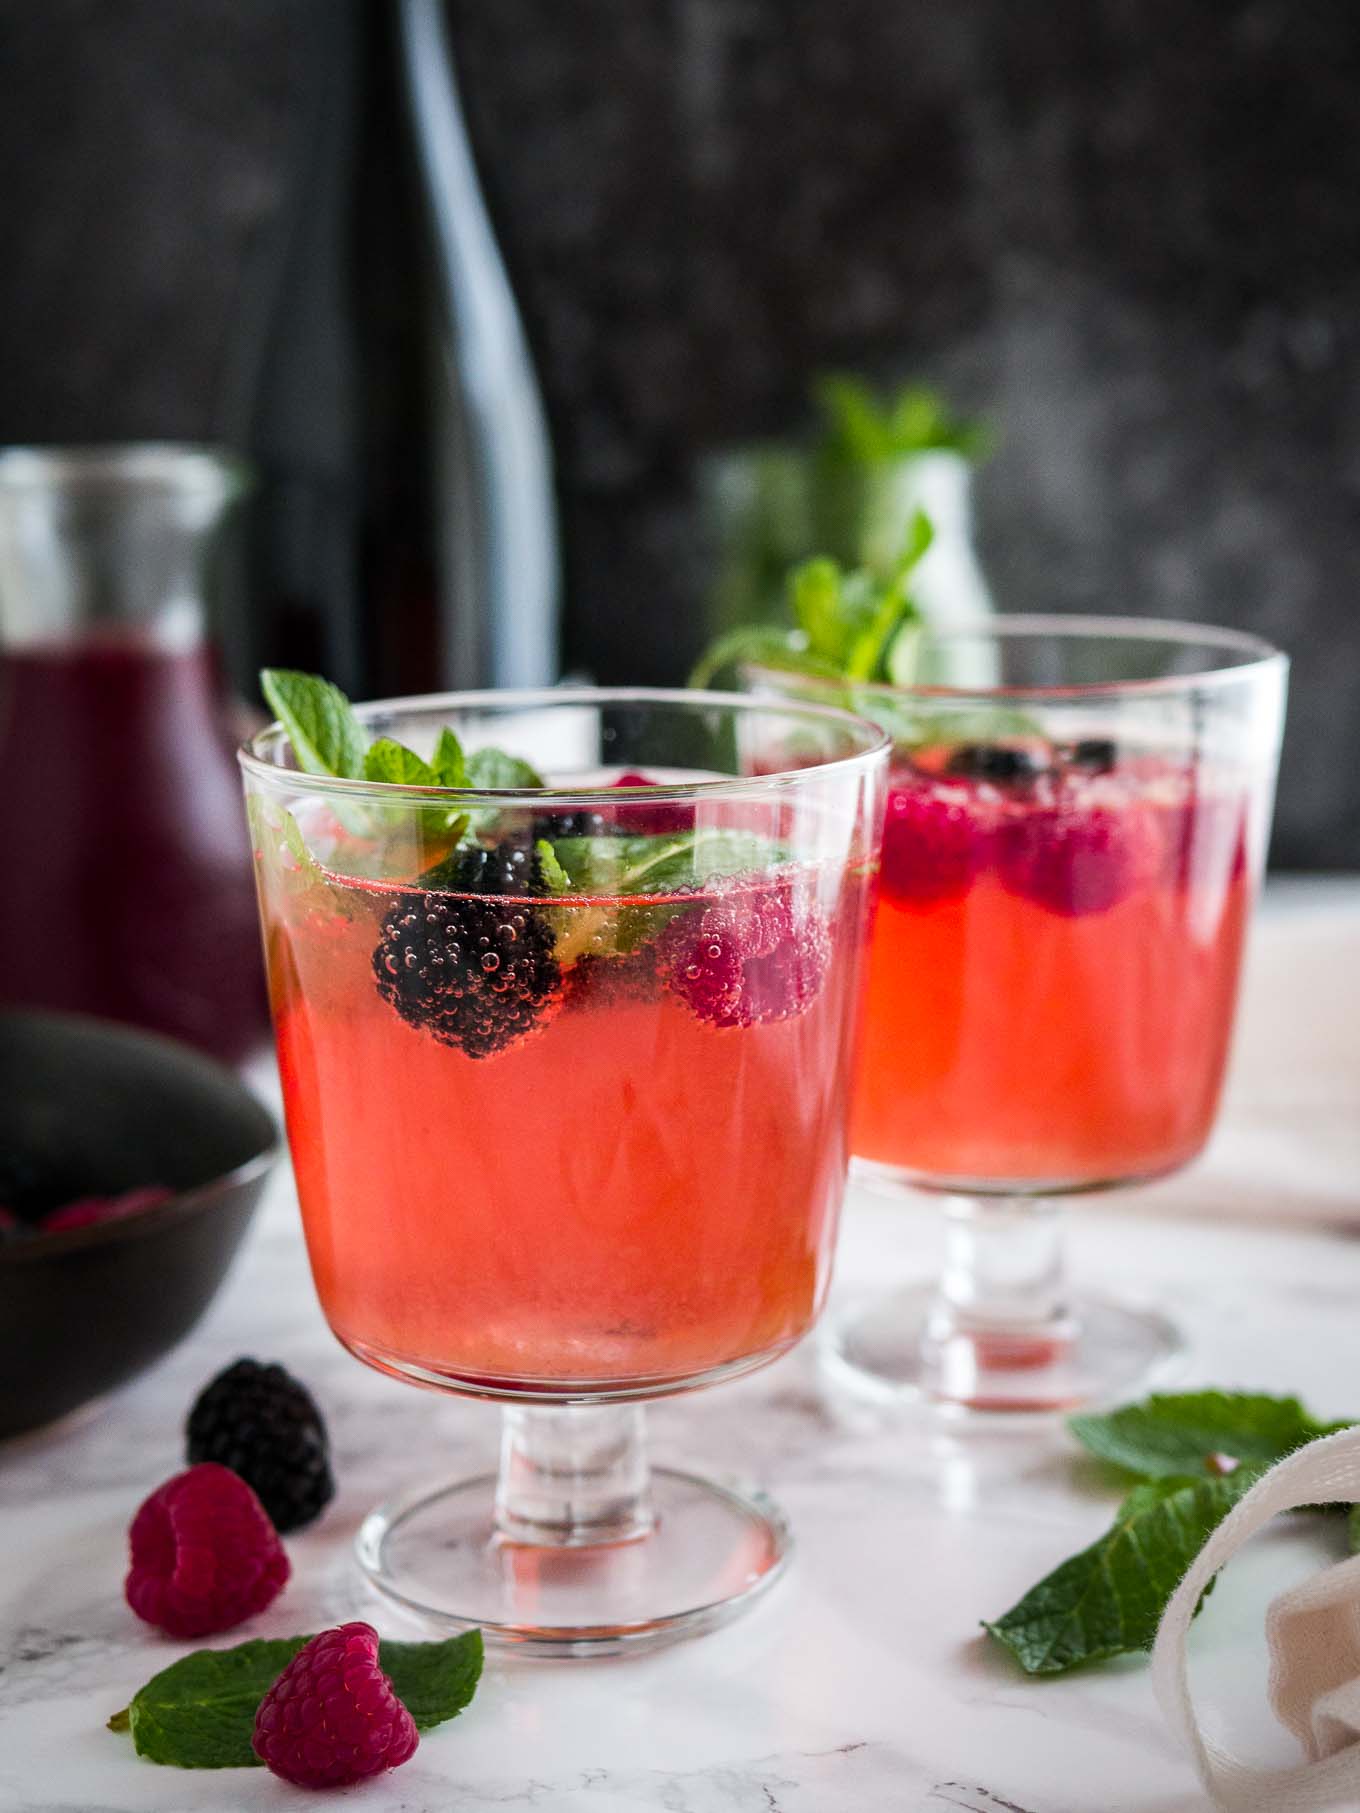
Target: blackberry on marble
point(264, 1425)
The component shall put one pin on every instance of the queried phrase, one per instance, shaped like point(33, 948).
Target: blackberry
point(1099, 754)
point(260, 1422)
point(994, 762)
point(552, 825)
point(472, 973)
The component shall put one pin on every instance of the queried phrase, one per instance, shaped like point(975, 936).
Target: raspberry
point(934, 842)
point(204, 1554)
point(1078, 861)
point(649, 821)
point(90, 1209)
point(747, 954)
point(264, 1425)
point(478, 974)
point(332, 1717)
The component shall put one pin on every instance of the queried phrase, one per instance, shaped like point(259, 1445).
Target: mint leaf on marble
point(1353, 1529)
point(326, 735)
point(1108, 1600)
point(1198, 1431)
point(200, 1712)
point(434, 1681)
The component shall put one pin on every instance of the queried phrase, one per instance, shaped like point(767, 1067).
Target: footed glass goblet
point(1076, 824)
point(566, 1067)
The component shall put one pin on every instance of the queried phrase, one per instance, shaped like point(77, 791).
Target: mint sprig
point(200, 1712)
point(328, 739)
point(866, 428)
point(1194, 1454)
point(847, 623)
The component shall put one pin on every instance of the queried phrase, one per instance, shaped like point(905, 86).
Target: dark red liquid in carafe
point(128, 888)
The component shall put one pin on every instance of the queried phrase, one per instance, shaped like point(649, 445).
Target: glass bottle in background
point(404, 530)
point(129, 888)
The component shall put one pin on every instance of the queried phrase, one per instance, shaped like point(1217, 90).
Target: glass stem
point(572, 1475)
point(1002, 1304)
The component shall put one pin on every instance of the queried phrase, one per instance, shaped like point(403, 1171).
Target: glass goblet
point(1076, 821)
point(566, 1072)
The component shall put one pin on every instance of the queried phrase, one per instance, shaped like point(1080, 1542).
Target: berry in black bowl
point(90, 1114)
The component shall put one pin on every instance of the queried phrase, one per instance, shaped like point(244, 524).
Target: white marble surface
point(861, 1685)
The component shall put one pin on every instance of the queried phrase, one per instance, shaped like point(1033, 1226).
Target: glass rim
point(876, 745)
point(1261, 657)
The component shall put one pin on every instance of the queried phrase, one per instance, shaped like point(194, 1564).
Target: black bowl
point(106, 1109)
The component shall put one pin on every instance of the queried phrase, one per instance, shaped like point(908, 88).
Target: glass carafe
point(128, 889)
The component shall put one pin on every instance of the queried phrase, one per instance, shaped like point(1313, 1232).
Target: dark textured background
point(1129, 230)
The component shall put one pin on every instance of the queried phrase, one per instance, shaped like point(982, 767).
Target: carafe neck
point(109, 544)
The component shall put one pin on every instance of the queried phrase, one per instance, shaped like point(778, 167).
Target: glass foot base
point(898, 1348)
point(709, 1552)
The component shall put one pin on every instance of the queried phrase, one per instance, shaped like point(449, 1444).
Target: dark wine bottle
point(402, 536)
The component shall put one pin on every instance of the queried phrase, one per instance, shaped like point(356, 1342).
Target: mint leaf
point(1353, 1529)
point(434, 1681)
point(275, 833)
point(1108, 1600)
point(815, 595)
point(865, 430)
point(447, 760)
point(387, 760)
point(494, 768)
point(326, 736)
point(200, 1712)
point(1186, 1434)
point(555, 877)
point(867, 656)
point(766, 647)
point(635, 868)
point(665, 863)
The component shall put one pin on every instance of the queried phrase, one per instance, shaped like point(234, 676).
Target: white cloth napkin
point(1314, 1636)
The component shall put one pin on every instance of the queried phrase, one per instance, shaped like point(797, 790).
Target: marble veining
point(863, 1684)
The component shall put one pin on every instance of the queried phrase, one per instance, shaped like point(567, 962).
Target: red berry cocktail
point(1076, 817)
point(566, 1052)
